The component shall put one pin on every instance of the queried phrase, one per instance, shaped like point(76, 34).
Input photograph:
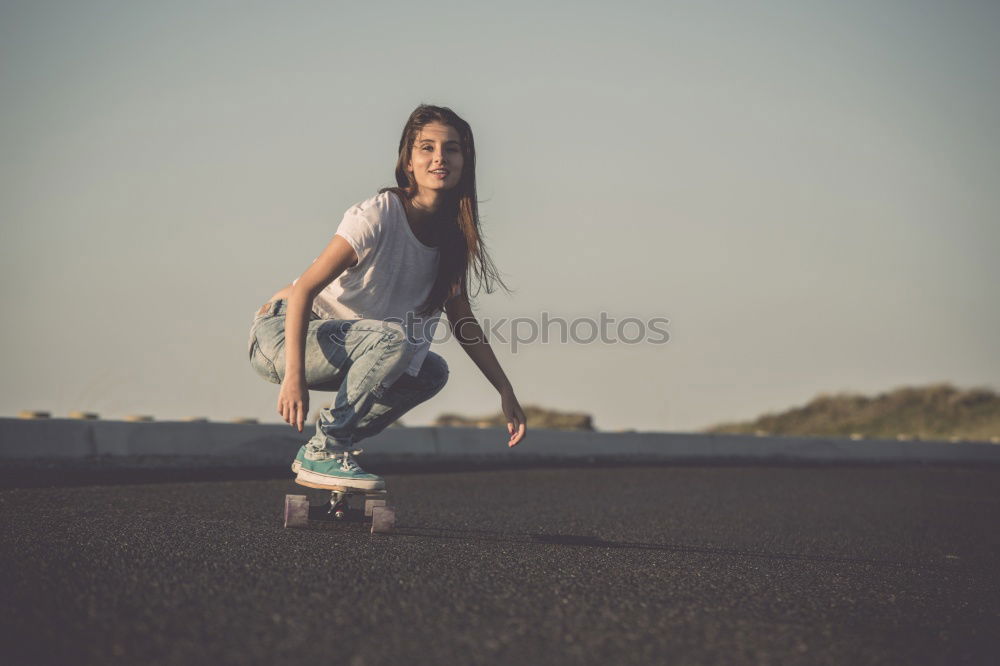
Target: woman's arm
point(470, 335)
point(293, 400)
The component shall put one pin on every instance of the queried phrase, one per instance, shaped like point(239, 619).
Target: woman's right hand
point(293, 401)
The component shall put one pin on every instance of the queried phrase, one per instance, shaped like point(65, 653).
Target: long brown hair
point(461, 244)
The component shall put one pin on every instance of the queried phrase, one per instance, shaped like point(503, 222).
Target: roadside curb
point(198, 443)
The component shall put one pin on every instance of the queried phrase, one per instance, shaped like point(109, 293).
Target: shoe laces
point(347, 462)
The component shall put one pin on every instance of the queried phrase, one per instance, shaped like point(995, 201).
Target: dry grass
point(938, 411)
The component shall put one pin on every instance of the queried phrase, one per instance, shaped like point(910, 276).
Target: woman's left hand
point(516, 421)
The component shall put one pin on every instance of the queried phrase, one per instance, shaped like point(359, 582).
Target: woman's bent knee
point(434, 371)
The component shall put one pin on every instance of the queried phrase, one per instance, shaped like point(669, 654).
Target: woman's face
point(436, 158)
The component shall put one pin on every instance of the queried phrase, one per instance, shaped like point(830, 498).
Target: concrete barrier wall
point(24, 440)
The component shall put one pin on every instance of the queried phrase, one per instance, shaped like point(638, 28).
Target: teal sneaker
point(300, 457)
point(334, 470)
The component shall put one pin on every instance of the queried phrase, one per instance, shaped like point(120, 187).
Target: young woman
point(360, 319)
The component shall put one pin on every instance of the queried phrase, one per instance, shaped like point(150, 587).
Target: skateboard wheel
point(383, 520)
point(296, 510)
point(370, 504)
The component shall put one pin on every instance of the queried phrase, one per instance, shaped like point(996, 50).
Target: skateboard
point(339, 504)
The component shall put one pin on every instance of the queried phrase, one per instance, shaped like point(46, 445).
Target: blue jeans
point(363, 360)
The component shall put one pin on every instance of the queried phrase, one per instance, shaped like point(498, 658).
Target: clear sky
point(808, 191)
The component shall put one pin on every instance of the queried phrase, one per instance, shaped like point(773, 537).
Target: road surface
point(629, 565)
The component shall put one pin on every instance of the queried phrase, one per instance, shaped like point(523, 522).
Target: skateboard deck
point(339, 504)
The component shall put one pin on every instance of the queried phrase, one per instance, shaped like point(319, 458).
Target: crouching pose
point(360, 319)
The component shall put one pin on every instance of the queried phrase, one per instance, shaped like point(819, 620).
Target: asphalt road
point(679, 565)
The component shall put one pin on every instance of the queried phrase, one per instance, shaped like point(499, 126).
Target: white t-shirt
point(393, 277)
